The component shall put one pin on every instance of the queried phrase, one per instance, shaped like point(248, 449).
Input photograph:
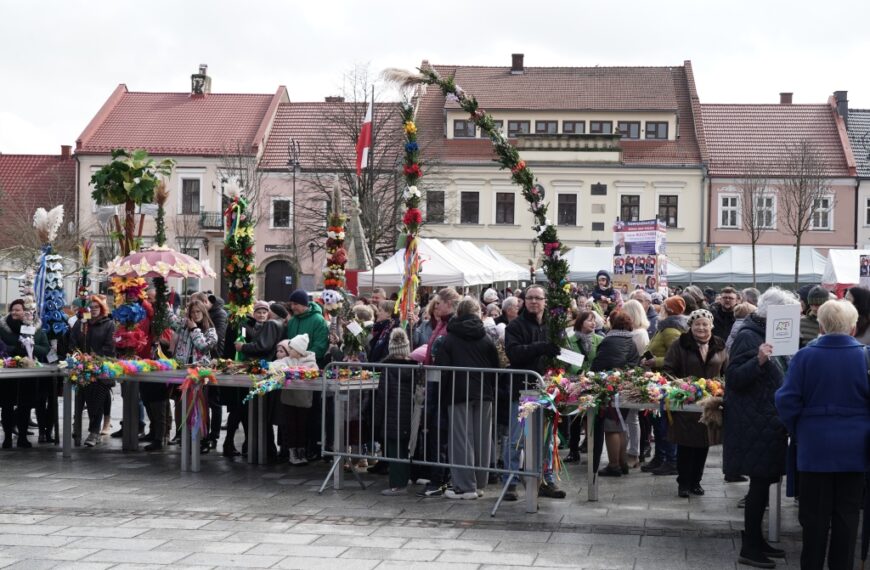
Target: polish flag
point(364, 143)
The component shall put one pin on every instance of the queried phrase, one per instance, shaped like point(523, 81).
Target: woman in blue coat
point(754, 439)
point(825, 404)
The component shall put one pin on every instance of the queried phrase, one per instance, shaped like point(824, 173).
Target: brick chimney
point(334, 99)
point(65, 151)
point(785, 98)
point(200, 83)
point(842, 105)
point(517, 64)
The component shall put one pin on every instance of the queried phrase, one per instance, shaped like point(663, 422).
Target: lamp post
point(293, 166)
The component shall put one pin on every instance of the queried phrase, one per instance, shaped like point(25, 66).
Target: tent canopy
point(470, 253)
point(520, 273)
point(439, 266)
point(584, 263)
point(773, 264)
point(843, 266)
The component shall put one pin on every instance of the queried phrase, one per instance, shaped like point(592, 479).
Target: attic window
point(518, 128)
point(657, 130)
point(546, 127)
point(463, 130)
point(601, 127)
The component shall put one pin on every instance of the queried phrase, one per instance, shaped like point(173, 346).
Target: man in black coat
point(527, 348)
point(723, 313)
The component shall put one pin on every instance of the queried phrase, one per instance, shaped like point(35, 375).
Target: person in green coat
point(18, 397)
point(585, 341)
point(307, 318)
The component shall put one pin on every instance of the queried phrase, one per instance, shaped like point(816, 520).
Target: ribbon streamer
point(195, 413)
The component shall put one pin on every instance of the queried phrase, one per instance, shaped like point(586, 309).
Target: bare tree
point(240, 166)
point(188, 236)
point(802, 192)
point(752, 186)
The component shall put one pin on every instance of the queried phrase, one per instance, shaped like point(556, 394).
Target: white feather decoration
point(48, 223)
point(402, 78)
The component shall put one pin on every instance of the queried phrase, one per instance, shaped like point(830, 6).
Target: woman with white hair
point(640, 336)
point(755, 439)
point(824, 403)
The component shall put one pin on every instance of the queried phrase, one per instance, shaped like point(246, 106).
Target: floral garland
point(281, 379)
point(413, 217)
point(239, 260)
point(554, 266)
point(336, 254)
point(348, 374)
point(19, 362)
point(83, 369)
point(240, 367)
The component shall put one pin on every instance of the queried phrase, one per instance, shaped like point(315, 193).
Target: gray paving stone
point(408, 554)
point(22, 519)
point(507, 558)
point(298, 550)
point(247, 526)
point(35, 540)
point(107, 532)
point(305, 563)
point(235, 560)
point(222, 547)
point(317, 528)
point(66, 520)
point(273, 537)
point(588, 538)
point(131, 566)
point(417, 532)
point(447, 544)
point(30, 528)
point(126, 544)
point(505, 535)
point(370, 541)
point(147, 523)
point(136, 557)
point(34, 564)
point(185, 534)
point(84, 566)
point(63, 554)
point(5, 561)
point(402, 565)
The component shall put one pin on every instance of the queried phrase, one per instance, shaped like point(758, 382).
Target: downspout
point(706, 196)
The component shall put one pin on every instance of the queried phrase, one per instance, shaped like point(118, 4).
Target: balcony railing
point(211, 221)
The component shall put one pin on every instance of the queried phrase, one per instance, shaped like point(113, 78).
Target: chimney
point(334, 99)
point(842, 105)
point(200, 83)
point(785, 98)
point(65, 151)
point(517, 64)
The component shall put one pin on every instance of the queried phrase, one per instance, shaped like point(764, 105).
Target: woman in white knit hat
point(296, 403)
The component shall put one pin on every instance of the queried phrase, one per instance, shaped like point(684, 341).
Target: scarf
point(585, 341)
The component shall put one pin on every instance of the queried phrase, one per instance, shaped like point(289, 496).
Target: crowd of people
point(816, 401)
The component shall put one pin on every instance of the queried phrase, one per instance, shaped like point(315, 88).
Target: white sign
point(783, 329)
point(571, 357)
point(354, 328)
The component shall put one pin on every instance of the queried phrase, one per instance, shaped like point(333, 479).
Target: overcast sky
point(61, 59)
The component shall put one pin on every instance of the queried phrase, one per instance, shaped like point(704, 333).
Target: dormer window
point(546, 127)
point(518, 128)
point(574, 127)
point(601, 127)
point(463, 129)
point(657, 130)
point(629, 129)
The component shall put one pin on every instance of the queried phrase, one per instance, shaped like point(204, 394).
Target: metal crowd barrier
point(433, 417)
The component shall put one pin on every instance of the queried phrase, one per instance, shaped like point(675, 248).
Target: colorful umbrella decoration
point(158, 261)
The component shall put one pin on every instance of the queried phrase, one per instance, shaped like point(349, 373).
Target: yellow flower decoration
point(566, 288)
point(410, 127)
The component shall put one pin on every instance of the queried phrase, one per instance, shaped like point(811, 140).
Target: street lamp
point(293, 166)
point(312, 248)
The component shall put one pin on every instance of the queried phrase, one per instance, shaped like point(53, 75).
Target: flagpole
point(371, 174)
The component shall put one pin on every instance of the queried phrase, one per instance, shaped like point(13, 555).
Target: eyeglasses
point(535, 298)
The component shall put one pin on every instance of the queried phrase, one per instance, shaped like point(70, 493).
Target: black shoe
point(203, 447)
point(245, 447)
point(42, 437)
point(551, 491)
point(654, 464)
point(7, 442)
point(147, 437)
point(610, 472)
point(735, 479)
point(572, 457)
point(231, 451)
point(212, 443)
point(154, 446)
point(177, 439)
point(666, 468)
point(683, 492)
point(23, 443)
point(583, 447)
point(511, 495)
point(379, 468)
point(431, 490)
point(752, 555)
point(697, 490)
point(741, 504)
point(119, 433)
point(493, 479)
point(624, 468)
point(770, 551)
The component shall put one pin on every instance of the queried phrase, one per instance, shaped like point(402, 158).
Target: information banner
point(639, 255)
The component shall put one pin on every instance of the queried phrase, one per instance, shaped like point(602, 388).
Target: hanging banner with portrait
point(640, 255)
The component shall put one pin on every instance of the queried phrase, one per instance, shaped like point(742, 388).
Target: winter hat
point(490, 296)
point(675, 305)
point(285, 344)
point(261, 305)
point(399, 345)
point(818, 295)
point(299, 343)
point(300, 297)
point(804, 292)
point(279, 310)
point(700, 314)
point(603, 273)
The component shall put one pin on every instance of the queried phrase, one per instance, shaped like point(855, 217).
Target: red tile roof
point(30, 181)
point(180, 124)
point(327, 133)
point(739, 134)
point(616, 89)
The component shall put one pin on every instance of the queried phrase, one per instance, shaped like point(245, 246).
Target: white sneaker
point(107, 428)
point(454, 494)
point(92, 440)
point(300, 456)
point(295, 459)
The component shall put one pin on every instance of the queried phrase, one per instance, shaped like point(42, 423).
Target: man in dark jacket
point(527, 348)
point(218, 316)
point(723, 313)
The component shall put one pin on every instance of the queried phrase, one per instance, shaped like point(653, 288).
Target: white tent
point(470, 252)
point(584, 263)
point(520, 273)
point(843, 266)
point(439, 266)
point(773, 264)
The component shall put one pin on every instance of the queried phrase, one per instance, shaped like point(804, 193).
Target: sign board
point(783, 329)
point(274, 248)
point(639, 254)
point(864, 272)
point(288, 280)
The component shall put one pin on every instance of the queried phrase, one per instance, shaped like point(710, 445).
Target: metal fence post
point(532, 461)
point(774, 511)
point(67, 418)
point(591, 475)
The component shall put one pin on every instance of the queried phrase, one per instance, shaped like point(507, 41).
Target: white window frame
point(736, 208)
point(576, 212)
point(189, 174)
point(496, 190)
point(272, 201)
point(773, 209)
point(830, 212)
point(479, 193)
point(867, 211)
